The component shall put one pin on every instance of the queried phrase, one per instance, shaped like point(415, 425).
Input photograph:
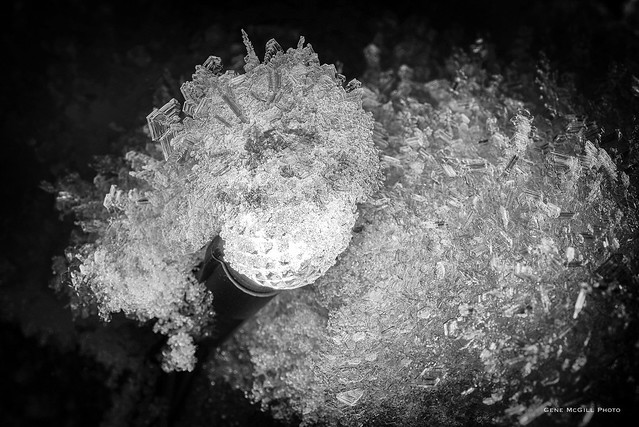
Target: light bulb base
point(236, 298)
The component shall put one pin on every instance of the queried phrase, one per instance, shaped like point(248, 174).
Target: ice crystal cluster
point(274, 161)
point(499, 221)
point(130, 269)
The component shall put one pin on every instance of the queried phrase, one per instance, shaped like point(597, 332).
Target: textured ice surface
point(275, 160)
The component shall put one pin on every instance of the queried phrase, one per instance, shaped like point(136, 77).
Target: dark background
point(77, 77)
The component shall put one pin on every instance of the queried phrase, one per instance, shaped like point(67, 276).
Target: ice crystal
point(274, 161)
point(179, 354)
point(485, 219)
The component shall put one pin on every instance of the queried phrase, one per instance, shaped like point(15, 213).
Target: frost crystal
point(465, 255)
point(274, 160)
point(179, 354)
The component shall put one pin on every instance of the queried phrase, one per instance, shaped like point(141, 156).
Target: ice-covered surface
point(274, 161)
point(479, 274)
point(97, 80)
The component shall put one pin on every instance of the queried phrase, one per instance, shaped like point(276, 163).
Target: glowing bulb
point(274, 161)
point(290, 246)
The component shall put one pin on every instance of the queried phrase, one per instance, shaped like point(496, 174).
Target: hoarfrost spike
point(251, 58)
point(156, 128)
point(159, 120)
point(213, 64)
point(272, 49)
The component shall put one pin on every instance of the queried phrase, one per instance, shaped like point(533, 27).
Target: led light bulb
point(273, 161)
point(291, 246)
